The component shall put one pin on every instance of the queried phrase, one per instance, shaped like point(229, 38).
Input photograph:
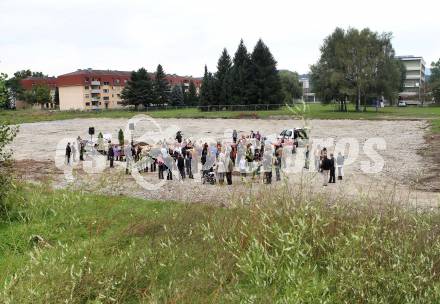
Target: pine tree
point(265, 86)
point(192, 94)
point(204, 99)
point(161, 86)
point(139, 89)
point(223, 90)
point(177, 97)
point(240, 75)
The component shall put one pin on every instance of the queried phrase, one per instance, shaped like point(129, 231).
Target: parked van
point(301, 135)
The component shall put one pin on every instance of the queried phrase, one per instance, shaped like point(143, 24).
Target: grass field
point(312, 111)
point(100, 249)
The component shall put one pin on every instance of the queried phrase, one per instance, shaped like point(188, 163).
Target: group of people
point(327, 165)
point(245, 154)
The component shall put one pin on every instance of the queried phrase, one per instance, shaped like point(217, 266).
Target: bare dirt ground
point(405, 169)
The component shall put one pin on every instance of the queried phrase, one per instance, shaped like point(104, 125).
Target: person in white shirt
point(340, 165)
point(242, 167)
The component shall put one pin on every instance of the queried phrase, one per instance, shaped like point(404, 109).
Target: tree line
point(142, 89)
point(246, 79)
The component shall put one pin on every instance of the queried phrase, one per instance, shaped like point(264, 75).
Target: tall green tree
point(434, 80)
point(192, 94)
point(241, 75)
point(265, 85)
point(290, 85)
point(223, 77)
point(14, 83)
point(207, 90)
point(356, 64)
point(39, 94)
point(139, 89)
point(161, 86)
point(4, 93)
point(177, 96)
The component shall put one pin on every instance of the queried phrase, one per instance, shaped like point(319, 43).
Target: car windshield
point(288, 133)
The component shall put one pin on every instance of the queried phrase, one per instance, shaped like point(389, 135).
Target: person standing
point(277, 163)
point(111, 154)
point(128, 152)
point(325, 168)
point(318, 158)
point(234, 136)
point(188, 161)
point(81, 151)
point(181, 166)
point(267, 166)
point(229, 169)
point(68, 152)
point(221, 168)
point(73, 147)
point(332, 169)
point(340, 164)
point(242, 167)
point(307, 157)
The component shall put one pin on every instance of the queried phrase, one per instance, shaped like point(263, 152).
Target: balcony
point(95, 82)
point(95, 91)
point(95, 99)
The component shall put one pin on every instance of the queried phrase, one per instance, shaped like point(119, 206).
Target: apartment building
point(91, 89)
point(415, 78)
point(29, 82)
point(308, 95)
point(101, 89)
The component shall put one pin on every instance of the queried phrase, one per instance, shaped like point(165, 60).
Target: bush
point(7, 134)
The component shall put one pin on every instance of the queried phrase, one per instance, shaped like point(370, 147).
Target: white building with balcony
point(415, 78)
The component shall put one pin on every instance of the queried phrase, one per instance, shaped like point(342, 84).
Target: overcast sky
point(60, 36)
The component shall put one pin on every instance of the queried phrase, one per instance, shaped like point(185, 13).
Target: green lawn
point(105, 249)
point(311, 111)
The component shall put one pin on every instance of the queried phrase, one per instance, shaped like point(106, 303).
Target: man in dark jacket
point(325, 167)
point(68, 152)
point(332, 170)
point(110, 154)
point(181, 165)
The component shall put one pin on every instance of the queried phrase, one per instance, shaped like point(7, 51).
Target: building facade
point(96, 89)
point(308, 95)
point(415, 78)
point(102, 89)
point(29, 82)
point(91, 89)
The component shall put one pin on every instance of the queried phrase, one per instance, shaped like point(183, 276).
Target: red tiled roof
point(29, 82)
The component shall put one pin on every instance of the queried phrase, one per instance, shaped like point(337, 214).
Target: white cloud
point(61, 36)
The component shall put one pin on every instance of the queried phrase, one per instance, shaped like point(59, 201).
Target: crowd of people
point(244, 155)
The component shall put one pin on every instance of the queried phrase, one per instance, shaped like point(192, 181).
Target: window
point(86, 87)
point(113, 95)
point(106, 98)
point(87, 79)
point(99, 103)
point(106, 83)
point(105, 90)
point(87, 96)
point(125, 81)
point(87, 104)
point(117, 81)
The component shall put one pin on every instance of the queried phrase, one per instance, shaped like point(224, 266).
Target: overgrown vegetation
point(7, 134)
point(286, 248)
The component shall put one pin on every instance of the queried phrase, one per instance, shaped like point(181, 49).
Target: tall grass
point(286, 247)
